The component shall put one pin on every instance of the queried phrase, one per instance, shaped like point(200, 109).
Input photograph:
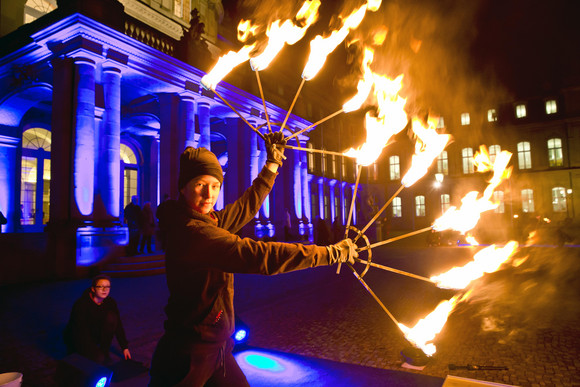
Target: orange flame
point(487, 260)
point(391, 119)
point(428, 146)
point(466, 217)
point(321, 47)
point(245, 30)
point(424, 332)
point(364, 86)
point(471, 240)
point(280, 34)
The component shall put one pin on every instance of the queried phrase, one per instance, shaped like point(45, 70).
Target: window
point(33, 9)
point(521, 111)
point(491, 115)
point(343, 167)
point(394, 167)
point(551, 107)
point(465, 120)
point(440, 123)
point(333, 163)
point(129, 170)
point(559, 199)
point(420, 205)
point(498, 198)
point(527, 200)
point(467, 157)
point(397, 208)
point(445, 203)
point(443, 163)
point(524, 155)
point(494, 150)
point(323, 163)
point(375, 171)
point(555, 158)
point(35, 177)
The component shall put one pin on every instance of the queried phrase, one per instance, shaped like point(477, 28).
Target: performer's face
point(102, 288)
point(201, 193)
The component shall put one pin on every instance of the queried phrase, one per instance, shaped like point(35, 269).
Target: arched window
point(130, 173)
point(33, 9)
point(35, 177)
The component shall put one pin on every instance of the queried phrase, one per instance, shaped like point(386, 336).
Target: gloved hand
point(343, 251)
point(275, 147)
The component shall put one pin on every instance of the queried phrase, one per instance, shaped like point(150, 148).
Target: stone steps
point(136, 266)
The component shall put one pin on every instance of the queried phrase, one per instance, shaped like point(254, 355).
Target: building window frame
point(467, 160)
point(524, 155)
point(397, 207)
point(394, 167)
point(420, 206)
point(555, 153)
point(527, 195)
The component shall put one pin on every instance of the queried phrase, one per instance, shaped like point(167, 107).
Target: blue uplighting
point(264, 363)
point(240, 335)
point(102, 382)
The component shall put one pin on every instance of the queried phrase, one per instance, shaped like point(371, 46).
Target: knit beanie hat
point(195, 162)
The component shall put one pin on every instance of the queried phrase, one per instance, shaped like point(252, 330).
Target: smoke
point(541, 292)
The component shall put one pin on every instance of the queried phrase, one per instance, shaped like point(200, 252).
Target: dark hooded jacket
point(202, 252)
point(91, 328)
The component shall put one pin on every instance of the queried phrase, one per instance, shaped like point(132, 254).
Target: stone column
point(84, 136)
point(204, 125)
point(9, 204)
point(108, 169)
point(187, 111)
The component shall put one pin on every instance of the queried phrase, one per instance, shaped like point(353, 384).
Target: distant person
point(132, 215)
point(3, 221)
point(147, 228)
point(94, 321)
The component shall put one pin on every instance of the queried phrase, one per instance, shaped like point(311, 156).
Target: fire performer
point(202, 253)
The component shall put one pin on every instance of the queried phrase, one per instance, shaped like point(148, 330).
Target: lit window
point(35, 177)
point(527, 200)
point(343, 167)
point(129, 171)
point(420, 205)
point(521, 111)
point(443, 163)
point(323, 163)
point(524, 155)
point(498, 198)
point(559, 199)
point(551, 107)
point(494, 150)
point(467, 158)
point(445, 203)
point(333, 162)
point(397, 208)
point(465, 120)
point(440, 123)
point(491, 115)
point(394, 167)
point(555, 157)
point(33, 9)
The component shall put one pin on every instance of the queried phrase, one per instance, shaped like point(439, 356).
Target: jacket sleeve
point(228, 252)
point(237, 214)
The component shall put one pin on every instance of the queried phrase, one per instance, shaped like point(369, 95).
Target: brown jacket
point(202, 252)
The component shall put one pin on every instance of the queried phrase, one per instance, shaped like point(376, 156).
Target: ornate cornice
point(153, 18)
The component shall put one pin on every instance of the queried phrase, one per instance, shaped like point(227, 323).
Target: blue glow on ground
point(265, 368)
point(102, 382)
point(240, 335)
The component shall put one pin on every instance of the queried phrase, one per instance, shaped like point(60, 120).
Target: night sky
point(471, 50)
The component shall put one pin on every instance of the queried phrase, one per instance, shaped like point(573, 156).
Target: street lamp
point(438, 180)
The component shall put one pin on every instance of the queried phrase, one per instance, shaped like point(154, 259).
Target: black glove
point(275, 147)
point(343, 251)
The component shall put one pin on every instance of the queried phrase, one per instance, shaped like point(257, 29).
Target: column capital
point(78, 47)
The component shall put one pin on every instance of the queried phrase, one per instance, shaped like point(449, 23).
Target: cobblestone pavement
point(525, 318)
